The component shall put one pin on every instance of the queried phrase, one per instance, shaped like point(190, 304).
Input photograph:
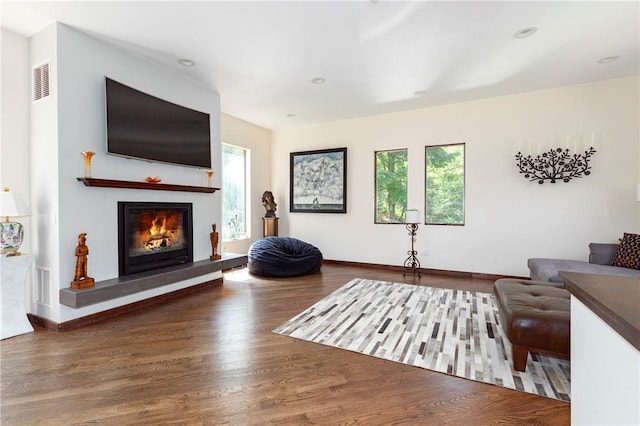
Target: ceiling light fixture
point(525, 32)
point(291, 115)
point(318, 80)
point(186, 62)
point(420, 93)
point(608, 59)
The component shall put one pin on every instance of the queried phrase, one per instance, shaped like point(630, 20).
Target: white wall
point(14, 132)
point(508, 219)
point(72, 121)
point(258, 141)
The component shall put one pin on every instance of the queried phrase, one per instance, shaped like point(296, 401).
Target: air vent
point(43, 286)
point(41, 81)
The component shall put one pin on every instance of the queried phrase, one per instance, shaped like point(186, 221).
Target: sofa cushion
point(547, 269)
point(602, 253)
point(628, 254)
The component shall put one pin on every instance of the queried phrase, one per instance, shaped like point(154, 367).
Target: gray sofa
point(601, 257)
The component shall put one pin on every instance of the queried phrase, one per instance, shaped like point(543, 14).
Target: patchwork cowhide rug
point(450, 331)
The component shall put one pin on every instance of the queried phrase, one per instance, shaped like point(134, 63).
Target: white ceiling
point(375, 55)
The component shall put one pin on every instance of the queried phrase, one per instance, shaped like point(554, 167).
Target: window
point(391, 186)
point(444, 184)
point(234, 192)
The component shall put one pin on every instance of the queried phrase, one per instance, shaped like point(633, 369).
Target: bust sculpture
point(269, 204)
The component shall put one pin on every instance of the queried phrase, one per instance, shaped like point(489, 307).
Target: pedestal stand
point(270, 226)
point(412, 264)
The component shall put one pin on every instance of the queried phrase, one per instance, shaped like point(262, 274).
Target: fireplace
point(153, 235)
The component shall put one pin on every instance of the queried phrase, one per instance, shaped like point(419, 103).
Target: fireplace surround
point(153, 235)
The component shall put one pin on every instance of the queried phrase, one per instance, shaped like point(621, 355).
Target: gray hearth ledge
point(135, 283)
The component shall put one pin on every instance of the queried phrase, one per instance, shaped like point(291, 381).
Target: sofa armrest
point(602, 253)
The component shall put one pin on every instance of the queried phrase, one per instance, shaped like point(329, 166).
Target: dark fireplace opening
point(153, 235)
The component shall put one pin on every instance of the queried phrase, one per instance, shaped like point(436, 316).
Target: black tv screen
point(148, 128)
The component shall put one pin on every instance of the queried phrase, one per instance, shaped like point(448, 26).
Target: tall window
point(391, 186)
point(234, 192)
point(445, 184)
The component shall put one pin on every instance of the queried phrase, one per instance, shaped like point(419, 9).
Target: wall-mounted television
point(145, 127)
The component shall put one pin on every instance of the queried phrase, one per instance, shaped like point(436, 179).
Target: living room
point(507, 218)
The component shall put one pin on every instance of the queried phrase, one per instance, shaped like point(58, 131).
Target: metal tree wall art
point(557, 164)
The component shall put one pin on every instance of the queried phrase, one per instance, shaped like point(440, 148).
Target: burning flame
point(158, 230)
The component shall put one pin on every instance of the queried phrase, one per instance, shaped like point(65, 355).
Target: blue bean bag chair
point(283, 257)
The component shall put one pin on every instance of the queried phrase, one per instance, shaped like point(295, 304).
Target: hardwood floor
point(210, 358)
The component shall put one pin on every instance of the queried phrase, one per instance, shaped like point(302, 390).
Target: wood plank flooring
point(210, 358)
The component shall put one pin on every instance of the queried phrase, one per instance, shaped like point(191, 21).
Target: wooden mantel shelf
point(109, 183)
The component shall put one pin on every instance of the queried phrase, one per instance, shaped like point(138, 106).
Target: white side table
point(16, 274)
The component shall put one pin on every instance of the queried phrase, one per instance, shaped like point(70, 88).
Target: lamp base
point(11, 237)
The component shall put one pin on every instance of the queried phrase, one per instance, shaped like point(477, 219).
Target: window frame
point(464, 184)
point(246, 195)
point(375, 186)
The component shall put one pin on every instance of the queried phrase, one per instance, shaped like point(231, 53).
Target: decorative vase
point(11, 237)
point(87, 162)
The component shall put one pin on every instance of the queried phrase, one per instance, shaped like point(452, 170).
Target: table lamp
point(11, 233)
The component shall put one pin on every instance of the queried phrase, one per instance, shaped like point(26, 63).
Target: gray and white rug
point(450, 331)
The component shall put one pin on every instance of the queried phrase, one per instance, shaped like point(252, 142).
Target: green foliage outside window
point(445, 184)
point(391, 186)
point(234, 187)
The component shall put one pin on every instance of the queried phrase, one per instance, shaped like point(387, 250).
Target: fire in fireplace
point(153, 235)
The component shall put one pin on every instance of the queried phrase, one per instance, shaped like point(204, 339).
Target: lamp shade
point(8, 205)
point(413, 216)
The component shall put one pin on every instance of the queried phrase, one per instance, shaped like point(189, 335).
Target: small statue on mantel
point(214, 236)
point(269, 204)
point(80, 277)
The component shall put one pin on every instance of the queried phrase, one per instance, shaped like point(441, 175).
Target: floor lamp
point(411, 263)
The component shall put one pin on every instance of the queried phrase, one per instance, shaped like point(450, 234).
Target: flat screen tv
point(149, 128)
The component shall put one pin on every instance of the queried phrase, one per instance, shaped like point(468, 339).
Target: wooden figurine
point(81, 278)
point(214, 236)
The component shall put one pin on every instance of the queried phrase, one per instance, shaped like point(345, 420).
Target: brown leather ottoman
point(535, 315)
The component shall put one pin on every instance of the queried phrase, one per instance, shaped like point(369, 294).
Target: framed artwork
point(318, 181)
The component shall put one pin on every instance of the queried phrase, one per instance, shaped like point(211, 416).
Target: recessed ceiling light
point(420, 93)
point(608, 59)
point(318, 80)
point(525, 32)
point(186, 62)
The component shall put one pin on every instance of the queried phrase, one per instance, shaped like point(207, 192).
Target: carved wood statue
point(214, 236)
point(81, 279)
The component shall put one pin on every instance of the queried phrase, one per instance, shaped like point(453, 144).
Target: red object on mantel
point(154, 179)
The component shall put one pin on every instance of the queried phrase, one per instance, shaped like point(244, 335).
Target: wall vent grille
point(41, 81)
point(43, 286)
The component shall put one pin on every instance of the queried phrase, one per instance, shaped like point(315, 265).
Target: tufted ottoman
point(283, 257)
point(535, 315)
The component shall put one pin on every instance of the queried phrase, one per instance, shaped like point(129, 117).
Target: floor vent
point(41, 81)
point(43, 286)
